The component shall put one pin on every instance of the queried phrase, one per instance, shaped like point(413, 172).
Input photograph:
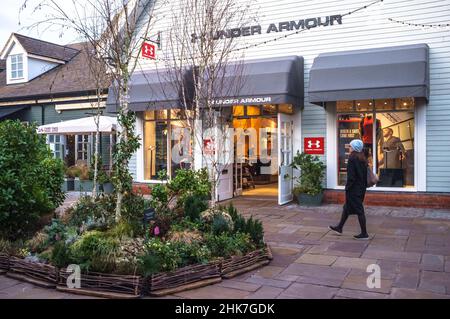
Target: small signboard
point(314, 145)
point(148, 50)
point(208, 146)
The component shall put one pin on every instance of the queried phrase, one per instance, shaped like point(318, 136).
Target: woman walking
point(355, 189)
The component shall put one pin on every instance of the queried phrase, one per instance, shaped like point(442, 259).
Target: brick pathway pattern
point(411, 246)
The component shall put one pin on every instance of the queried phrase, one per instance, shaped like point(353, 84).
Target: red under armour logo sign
point(314, 145)
point(148, 50)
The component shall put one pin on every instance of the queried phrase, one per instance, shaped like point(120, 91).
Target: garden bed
point(103, 285)
point(236, 265)
point(42, 275)
point(185, 278)
point(4, 263)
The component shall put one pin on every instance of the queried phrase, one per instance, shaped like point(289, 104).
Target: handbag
point(372, 179)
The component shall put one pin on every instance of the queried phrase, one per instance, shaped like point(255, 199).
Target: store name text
point(274, 27)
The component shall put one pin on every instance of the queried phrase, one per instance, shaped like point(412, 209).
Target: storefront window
point(387, 131)
point(161, 138)
point(82, 148)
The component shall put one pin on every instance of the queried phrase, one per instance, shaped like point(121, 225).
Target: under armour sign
point(148, 50)
point(314, 145)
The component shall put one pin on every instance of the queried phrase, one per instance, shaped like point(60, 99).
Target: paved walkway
point(412, 247)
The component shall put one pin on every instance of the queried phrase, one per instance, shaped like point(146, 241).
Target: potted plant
point(104, 181)
point(72, 172)
point(309, 190)
point(83, 182)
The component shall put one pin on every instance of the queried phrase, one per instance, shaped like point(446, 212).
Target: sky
point(9, 22)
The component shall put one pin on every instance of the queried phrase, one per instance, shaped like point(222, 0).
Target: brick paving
point(411, 246)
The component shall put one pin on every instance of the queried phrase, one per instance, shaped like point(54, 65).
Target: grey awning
point(8, 110)
point(153, 89)
point(391, 72)
point(264, 81)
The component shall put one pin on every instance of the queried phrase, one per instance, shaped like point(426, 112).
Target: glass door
point(285, 155)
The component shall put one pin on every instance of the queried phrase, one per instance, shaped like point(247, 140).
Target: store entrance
point(255, 165)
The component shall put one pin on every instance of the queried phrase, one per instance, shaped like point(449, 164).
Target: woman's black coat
point(355, 188)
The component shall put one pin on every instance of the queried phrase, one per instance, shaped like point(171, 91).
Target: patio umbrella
point(85, 125)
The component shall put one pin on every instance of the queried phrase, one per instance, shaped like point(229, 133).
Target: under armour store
point(319, 74)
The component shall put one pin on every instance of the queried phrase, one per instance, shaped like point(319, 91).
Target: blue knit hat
point(357, 145)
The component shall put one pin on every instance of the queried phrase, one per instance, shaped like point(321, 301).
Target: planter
point(68, 185)
point(108, 188)
point(4, 263)
point(237, 265)
point(103, 285)
point(39, 274)
point(309, 200)
point(185, 278)
point(85, 186)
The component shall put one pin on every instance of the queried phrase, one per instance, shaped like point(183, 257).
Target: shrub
point(193, 206)
point(251, 226)
point(88, 208)
point(165, 253)
point(30, 179)
point(185, 184)
point(95, 251)
point(61, 255)
point(209, 215)
point(220, 225)
point(312, 171)
point(226, 245)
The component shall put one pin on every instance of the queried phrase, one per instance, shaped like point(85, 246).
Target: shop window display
point(164, 134)
point(386, 127)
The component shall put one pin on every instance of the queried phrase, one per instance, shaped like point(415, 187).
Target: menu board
point(348, 130)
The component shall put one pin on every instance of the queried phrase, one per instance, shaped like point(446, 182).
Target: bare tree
point(203, 39)
point(121, 24)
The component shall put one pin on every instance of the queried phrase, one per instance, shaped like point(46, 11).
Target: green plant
point(166, 252)
point(30, 179)
point(61, 255)
point(312, 171)
point(220, 225)
point(73, 171)
point(95, 251)
point(250, 226)
point(179, 189)
point(193, 206)
point(39, 242)
point(226, 245)
point(56, 231)
point(256, 231)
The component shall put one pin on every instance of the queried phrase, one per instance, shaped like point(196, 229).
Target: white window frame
point(14, 66)
point(420, 151)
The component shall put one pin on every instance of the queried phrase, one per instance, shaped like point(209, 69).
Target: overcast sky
point(9, 22)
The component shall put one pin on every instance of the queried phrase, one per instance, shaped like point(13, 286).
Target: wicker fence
point(185, 278)
point(43, 275)
point(103, 285)
point(4, 263)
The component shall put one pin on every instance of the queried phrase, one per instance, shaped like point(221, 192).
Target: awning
point(264, 81)
point(8, 110)
point(153, 89)
point(391, 72)
point(85, 125)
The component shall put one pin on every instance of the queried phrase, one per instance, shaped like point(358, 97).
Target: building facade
point(45, 83)
point(379, 71)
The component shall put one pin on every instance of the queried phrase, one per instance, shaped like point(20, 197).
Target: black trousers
point(361, 220)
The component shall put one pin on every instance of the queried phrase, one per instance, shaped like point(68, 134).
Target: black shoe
point(337, 230)
point(361, 237)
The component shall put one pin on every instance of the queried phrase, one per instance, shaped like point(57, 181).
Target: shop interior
point(387, 129)
point(255, 169)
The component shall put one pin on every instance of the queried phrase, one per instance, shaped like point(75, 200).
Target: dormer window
point(17, 66)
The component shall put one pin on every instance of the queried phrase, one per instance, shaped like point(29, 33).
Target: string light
point(255, 45)
point(421, 25)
